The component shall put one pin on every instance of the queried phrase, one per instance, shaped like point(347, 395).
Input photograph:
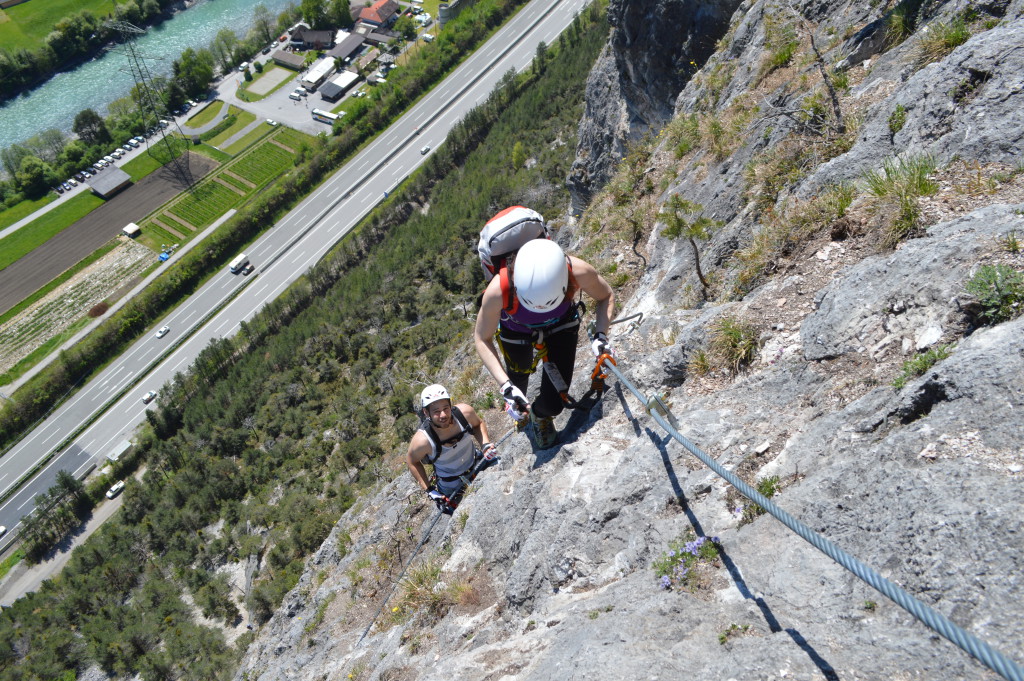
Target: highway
point(281, 255)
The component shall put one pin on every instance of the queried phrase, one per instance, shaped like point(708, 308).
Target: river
point(96, 83)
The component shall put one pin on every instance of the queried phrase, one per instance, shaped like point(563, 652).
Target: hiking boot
point(544, 432)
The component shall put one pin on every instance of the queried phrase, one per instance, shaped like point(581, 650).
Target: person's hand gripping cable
point(516, 405)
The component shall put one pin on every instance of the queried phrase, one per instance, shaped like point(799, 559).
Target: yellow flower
point(394, 609)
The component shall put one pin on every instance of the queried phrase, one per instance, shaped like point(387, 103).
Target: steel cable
point(974, 646)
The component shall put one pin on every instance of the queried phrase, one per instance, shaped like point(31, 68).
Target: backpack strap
point(509, 301)
point(435, 442)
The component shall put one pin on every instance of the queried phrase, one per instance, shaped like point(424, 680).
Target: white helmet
point(541, 275)
point(431, 394)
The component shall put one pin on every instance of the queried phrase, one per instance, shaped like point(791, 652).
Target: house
point(307, 39)
point(348, 47)
point(338, 86)
point(289, 60)
point(316, 75)
point(380, 14)
point(109, 182)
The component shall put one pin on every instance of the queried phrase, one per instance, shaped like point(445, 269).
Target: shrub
point(921, 363)
point(897, 119)
point(99, 309)
point(1000, 290)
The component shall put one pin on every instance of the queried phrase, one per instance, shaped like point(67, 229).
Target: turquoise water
point(97, 83)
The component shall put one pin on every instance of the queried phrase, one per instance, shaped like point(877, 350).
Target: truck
point(238, 263)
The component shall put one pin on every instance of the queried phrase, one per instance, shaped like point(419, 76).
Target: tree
point(175, 95)
point(518, 156)
point(194, 71)
point(677, 225)
point(541, 57)
point(12, 157)
point(35, 177)
point(263, 22)
point(340, 14)
point(223, 48)
point(405, 27)
point(89, 126)
point(315, 13)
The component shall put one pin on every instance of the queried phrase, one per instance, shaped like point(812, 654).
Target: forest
point(253, 454)
point(57, 381)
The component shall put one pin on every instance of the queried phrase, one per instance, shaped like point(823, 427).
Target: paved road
point(297, 242)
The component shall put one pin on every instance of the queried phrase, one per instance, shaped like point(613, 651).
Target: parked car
point(140, 139)
point(73, 182)
point(59, 189)
point(67, 187)
point(243, 66)
point(266, 50)
point(133, 144)
point(80, 177)
point(127, 147)
point(116, 489)
point(149, 397)
point(164, 330)
point(295, 96)
point(272, 123)
point(97, 166)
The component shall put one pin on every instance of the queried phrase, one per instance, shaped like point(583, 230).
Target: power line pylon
point(152, 104)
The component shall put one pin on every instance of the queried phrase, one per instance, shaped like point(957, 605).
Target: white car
point(116, 489)
point(3, 530)
point(149, 397)
point(294, 95)
point(72, 182)
point(272, 123)
point(164, 330)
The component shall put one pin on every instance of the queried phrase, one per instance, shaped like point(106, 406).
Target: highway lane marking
point(27, 502)
point(342, 179)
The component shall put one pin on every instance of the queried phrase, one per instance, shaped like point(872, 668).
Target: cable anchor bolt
point(656, 402)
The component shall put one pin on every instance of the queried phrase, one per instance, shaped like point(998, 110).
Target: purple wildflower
point(666, 583)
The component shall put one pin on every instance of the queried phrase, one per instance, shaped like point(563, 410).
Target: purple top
point(525, 321)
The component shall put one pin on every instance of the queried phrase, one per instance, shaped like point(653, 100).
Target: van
point(238, 263)
point(116, 489)
point(243, 66)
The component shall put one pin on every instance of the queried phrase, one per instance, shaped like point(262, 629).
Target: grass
point(941, 39)
point(10, 561)
point(31, 22)
point(768, 487)
point(209, 112)
point(733, 343)
point(921, 363)
point(424, 591)
point(897, 119)
point(37, 232)
point(1000, 290)
point(249, 139)
point(898, 185)
point(243, 119)
point(23, 209)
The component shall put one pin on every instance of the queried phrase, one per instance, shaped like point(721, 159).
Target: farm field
point(209, 112)
point(43, 228)
point(265, 162)
point(55, 313)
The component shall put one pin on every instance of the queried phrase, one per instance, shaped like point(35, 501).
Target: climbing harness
point(974, 646)
point(466, 479)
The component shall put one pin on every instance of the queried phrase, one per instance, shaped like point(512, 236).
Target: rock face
point(548, 570)
point(655, 46)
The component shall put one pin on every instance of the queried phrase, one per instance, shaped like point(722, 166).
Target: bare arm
point(476, 423)
point(594, 285)
point(419, 448)
point(486, 324)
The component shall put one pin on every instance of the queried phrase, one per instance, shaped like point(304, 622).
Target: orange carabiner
point(599, 373)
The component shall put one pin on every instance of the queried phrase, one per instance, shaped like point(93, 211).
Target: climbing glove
point(601, 345)
point(439, 499)
point(516, 405)
point(489, 451)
